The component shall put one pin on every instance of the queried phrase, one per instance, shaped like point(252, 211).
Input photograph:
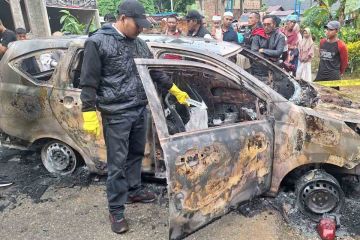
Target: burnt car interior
point(271, 76)
point(253, 64)
point(226, 101)
point(40, 66)
point(75, 71)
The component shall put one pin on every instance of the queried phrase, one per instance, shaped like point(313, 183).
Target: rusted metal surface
point(216, 172)
point(211, 170)
point(304, 136)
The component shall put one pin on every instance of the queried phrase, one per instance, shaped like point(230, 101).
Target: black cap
point(193, 14)
point(134, 9)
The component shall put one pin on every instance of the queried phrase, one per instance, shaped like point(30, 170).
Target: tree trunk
point(341, 12)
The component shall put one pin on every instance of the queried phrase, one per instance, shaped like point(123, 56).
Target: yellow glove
point(180, 95)
point(91, 123)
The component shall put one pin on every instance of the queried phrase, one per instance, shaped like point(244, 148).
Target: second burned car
point(251, 134)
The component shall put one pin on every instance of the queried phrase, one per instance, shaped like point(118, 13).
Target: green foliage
point(180, 6)
point(193, 6)
point(316, 17)
point(354, 56)
point(110, 6)
point(151, 6)
point(107, 6)
point(148, 5)
point(184, 5)
point(70, 23)
point(352, 6)
point(318, 33)
point(349, 34)
point(264, 7)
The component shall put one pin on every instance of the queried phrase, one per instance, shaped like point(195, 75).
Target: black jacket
point(109, 77)
point(230, 35)
point(275, 45)
point(200, 33)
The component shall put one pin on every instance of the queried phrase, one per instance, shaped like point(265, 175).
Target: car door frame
point(29, 100)
point(66, 105)
point(185, 222)
point(223, 63)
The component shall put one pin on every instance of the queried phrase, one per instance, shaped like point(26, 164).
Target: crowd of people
point(288, 46)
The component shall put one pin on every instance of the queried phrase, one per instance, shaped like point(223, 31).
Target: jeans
point(125, 138)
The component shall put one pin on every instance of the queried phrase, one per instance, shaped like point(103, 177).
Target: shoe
point(142, 196)
point(118, 224)
point(5, 184)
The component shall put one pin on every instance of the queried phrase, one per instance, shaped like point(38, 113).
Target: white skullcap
point(216, 18)
point(228, 14)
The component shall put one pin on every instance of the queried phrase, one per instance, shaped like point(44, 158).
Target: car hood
point(338, 105)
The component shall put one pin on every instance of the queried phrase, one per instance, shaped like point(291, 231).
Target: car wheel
point(317, 193)
point(58, 158)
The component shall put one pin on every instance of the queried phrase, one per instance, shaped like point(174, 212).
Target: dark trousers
point(125, 138)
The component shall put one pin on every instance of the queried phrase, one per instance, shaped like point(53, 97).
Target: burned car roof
point(223, 49)
point(19, 48)
point(220, 48)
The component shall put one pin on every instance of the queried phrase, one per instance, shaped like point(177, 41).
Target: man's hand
point(261, 50)
point(91, 123)
point(180, 95)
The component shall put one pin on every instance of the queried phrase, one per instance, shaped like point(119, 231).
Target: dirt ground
point(40, 206)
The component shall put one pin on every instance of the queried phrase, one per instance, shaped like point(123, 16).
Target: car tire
point(318, 193)
point(58, 158)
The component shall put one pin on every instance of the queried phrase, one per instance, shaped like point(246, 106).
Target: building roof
point(288, 5)
point(274, 8)
point(282, 13)
point(80, 4)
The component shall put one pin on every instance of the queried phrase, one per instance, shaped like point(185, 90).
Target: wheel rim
point(60, 158)
point(320, 196)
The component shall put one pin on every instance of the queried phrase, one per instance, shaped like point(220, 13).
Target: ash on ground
point(31, 180)
point(285, 203)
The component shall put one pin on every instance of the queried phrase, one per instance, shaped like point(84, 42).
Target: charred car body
point(254, 133)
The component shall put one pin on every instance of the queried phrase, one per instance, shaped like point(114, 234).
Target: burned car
point(248, 136)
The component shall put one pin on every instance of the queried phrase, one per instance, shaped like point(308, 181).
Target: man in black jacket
point(256, 38)
point(276, 40)
point(195, 25)
point(111, 84)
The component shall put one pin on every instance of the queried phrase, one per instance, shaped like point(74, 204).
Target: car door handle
point(68, 101)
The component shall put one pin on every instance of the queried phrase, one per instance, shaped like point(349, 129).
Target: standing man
point(333, 54)
point(256, 38)
point(111, 84)
point(229, 35)
point(171, 26)
point(6, 37)
point(276, 40)
point(195, 25)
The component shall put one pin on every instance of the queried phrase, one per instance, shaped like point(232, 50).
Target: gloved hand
point(180, 95)
point(91, 123)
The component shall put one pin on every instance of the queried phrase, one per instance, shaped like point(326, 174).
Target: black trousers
point(125, 138)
